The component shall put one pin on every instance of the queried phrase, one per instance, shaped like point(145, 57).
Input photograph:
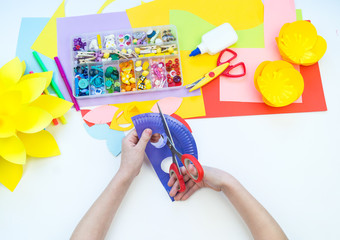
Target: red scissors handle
point(174, 170)
point(231, 67)
point(233, 56)
point(188, 159)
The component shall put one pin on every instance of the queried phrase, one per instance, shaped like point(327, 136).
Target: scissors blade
point(194, 83)
point(166, 127)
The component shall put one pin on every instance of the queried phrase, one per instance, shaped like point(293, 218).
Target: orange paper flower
point(24, 114)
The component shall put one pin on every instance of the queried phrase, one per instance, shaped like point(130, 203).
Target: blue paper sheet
point(29, 31)
point(104, 132)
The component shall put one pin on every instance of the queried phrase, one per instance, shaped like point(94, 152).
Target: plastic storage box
point(130, 61)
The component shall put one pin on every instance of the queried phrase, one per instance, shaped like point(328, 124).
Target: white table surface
point(289, 162)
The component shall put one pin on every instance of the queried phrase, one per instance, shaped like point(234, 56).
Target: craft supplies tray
point(127, 61)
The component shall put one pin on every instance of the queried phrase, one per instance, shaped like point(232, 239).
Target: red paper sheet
point(313, 96)
point(313, 99)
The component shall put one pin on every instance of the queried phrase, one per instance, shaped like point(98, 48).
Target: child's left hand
point(133, 152)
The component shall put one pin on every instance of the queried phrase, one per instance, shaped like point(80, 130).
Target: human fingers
point(174, 189)
point(131, 138)
point(155, 137)
point(186, 178)
point(192, 171)
point(172, 180)
point(188, 186)
point(190, 192)
point(144, 139)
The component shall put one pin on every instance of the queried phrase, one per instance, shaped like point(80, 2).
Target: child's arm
point(261, 224)
point(97, 220)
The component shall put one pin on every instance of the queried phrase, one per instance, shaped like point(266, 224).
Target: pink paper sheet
point(71, 26)
point(243, 89)
point(101, 115)
point(168, 105)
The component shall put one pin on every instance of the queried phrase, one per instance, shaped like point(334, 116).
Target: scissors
point(186, 159)
point(223, 68)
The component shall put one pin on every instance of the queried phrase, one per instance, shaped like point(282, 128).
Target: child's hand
point(213, 178)
point(133, 152)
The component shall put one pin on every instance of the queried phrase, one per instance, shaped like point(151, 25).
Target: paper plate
point(182, 137)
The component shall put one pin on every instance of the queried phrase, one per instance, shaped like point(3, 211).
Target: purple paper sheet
point(70, 26)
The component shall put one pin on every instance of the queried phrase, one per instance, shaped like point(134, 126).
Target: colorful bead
point(167, 36)
point(127, 76)
point(145, 65)
point(139, 69)
point(177, 79)
point(110, 41)
point(78, 44)
point(139, 63)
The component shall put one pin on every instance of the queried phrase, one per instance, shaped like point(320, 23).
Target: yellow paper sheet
point(241, 15)
point(10, 174)
point(107, 3)
point(46, 43)
point(40, 144)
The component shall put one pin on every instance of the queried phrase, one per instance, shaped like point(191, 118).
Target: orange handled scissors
point(186, 159)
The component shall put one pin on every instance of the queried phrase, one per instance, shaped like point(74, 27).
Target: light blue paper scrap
point(104, 132)
point(29, 31)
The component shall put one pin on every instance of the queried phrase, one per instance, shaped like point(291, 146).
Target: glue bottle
point(216, 40)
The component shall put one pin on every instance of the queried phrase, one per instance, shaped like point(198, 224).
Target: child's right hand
point(213, 178)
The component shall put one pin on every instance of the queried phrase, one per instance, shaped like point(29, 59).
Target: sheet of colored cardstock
point(241, 15)
point(191, 27)
point(313, 99)
point(243, 89)
point(46, 43)
point(168, 105)
point(107, 3)
point(190, 36)
point(29, 31)
point(101, 115)
point(299, 14)
point(113, 138)
point(250, 38)
point(276, 14)
point(191, 107)
point(71, 26)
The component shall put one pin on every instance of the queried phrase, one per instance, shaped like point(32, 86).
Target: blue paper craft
point(182, 137)
point(104, 132)
point(29, 31)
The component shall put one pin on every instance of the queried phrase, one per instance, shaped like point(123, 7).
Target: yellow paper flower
point(299, 43)
point(24, 114)
point(279, 83)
